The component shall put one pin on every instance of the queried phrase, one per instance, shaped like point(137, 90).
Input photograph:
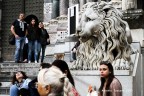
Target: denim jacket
point(23, 84)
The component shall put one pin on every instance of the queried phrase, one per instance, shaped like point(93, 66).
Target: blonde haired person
point(52, 82)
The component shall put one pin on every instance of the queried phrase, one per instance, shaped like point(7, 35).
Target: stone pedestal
point(58, 32)
point(138, 36)
point(131, 80)
point(83, 81)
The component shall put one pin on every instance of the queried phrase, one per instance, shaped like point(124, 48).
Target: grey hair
point(58, 81)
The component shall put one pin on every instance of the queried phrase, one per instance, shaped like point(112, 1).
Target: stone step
point(4, 90)
point(5, 84)
point(7, 69)
point(10, 68)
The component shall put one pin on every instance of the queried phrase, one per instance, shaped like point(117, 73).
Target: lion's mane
point(108, 38)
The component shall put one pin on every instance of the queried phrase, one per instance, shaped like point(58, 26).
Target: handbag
point(48, 42)
point(11, 39)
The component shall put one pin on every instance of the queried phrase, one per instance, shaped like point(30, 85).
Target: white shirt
point(93, 93)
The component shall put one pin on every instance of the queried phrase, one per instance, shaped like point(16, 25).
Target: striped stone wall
point(0, 30)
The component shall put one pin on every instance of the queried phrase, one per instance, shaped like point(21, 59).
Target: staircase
point(8, 69)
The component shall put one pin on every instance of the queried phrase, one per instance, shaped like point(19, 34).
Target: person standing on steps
point(19, 29)
point(44, 40)
point(33, 37)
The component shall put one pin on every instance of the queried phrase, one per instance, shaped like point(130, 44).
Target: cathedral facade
point(46, 10)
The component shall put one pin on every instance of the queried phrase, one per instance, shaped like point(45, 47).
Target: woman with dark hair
point(110, 85)
point(33, 37)
point(19, 82)
point(63, 66)
point(43, 40)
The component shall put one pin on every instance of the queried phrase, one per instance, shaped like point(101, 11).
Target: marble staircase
point(8, 69)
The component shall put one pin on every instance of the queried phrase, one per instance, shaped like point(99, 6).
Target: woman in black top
point(33, 37)
point(44, 39)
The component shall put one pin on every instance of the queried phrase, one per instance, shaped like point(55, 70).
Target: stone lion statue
point(104, 36)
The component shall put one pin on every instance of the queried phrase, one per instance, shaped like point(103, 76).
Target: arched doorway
point(29, 17)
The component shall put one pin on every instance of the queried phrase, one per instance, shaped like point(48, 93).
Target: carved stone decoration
point(62, 28)
point(104, 36)
point(53, 24)
point(117, 3)
point(47, 12)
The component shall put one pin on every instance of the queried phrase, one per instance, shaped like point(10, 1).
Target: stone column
point(0, 31)
point(47, 10)
point(64, 4)
point(73, 2)
point(82, 2)
point(55, 8)
point(129, 4)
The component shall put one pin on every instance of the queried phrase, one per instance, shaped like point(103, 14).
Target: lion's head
point(102, 29)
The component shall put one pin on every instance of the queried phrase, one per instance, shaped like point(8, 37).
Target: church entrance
point(10, 12)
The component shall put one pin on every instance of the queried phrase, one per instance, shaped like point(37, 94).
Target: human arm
point(75, 46)
point(26, 32)
point(48, 38)
point(13, 31)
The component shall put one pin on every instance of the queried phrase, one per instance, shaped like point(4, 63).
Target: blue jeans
point(39, 47)
point(33, 46)
point(14, 90)
point(19, 48)
point(43, 52)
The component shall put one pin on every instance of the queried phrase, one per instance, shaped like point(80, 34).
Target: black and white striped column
point(55, 8)
point(0, 31)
